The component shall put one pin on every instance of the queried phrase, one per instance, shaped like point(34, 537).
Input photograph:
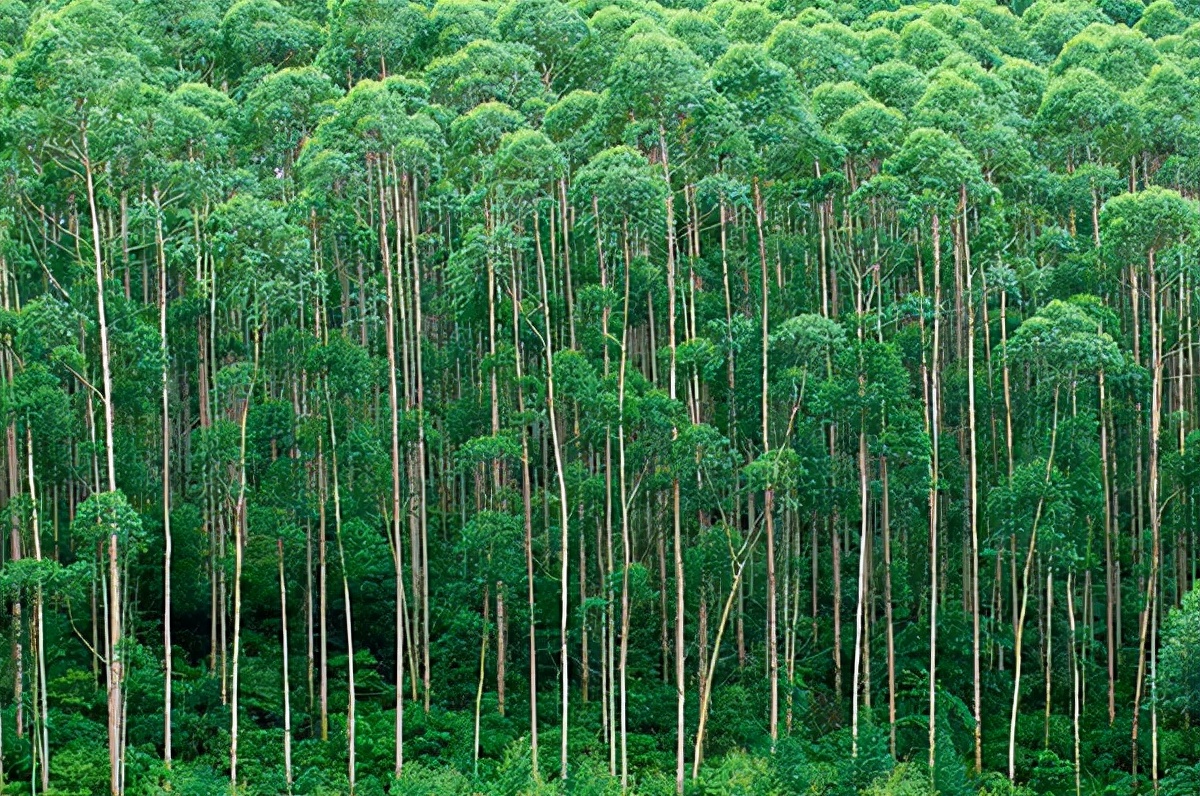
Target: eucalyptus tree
point(626, 199)
point(455, 23)
point(374, 39)
point(482, 71)
point(803, 350)
point(259, 36)
point(1141, 226)
point(1063, 343)
point(36, 402)
point(380, 129)
point(937, 172)
point(553, 29)
point(279, 115)
point(262, 262)
point(97, 76)
point(657, 82)
point(528, 165)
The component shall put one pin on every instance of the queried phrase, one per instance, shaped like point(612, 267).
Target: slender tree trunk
point(1074, 679)
point(1049, 649)
point(322, 573)
point(1110, 582)
point(885, 521)
point(115, 667)
point(552, 413)
point(973, 447)
point(706, 688)
point(39, 625)
point(626, 538)
point(769, 494)
point(287, 688)
point(1019, 631)
point(239, 549)
point(680, 676)
point(934, 426)
point(483, 646)
point(422, 454)
point(527, 514)
point(859, 612)
point(1156, 369)
point(168, 657)
point(351, 708)
point(394, 416)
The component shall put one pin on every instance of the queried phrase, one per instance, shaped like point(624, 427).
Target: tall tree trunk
point(862, 584)
point(885, 521)
point(973, 488)
point(287, 688)
point(239, 549)
point(394, 428)
point(322, 574)
point(1019, 631)
point(769, 494)
point(1156, 369)
point(677, 530)
point(351, 707)
point(483, 646)
point(552, 414)
point(527, 515)
point(934, 426)
point(706, 687)
point(1074, 679)
point(626, 538)
point(168, 657)
point(115, 667)
point(43, 738)
point(1110, 582)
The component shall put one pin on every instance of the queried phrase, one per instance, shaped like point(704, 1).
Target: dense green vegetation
point(528, 397)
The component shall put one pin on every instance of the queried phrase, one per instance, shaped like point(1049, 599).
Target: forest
point(600, 397)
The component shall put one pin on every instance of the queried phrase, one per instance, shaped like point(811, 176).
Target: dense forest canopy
point(730, 398)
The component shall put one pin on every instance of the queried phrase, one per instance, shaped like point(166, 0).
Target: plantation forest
point(600, 397)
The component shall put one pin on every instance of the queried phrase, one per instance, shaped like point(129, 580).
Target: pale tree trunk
point(1019, 631)
point(322, 575)
point(239, 550)
point(1148, 615)
point(501, 616)
point(39, 625)
point(769, 494)
point(393, 410)
point(973, 441)
point(885, 521)
point(14, 548)
point(562, 498)
point(501, 646)
point(862, 585)
point(527, 514)
point(1074, 678)
point(168, 657)
point(1049, 646)
point(626, 539)
point(115, 668)
point(1110, 582)
point(413, 221)
point(287, 689)
point(934, 423)
point(706, 687)
point(483, 646)
point(677, 530)
point(351, 710)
